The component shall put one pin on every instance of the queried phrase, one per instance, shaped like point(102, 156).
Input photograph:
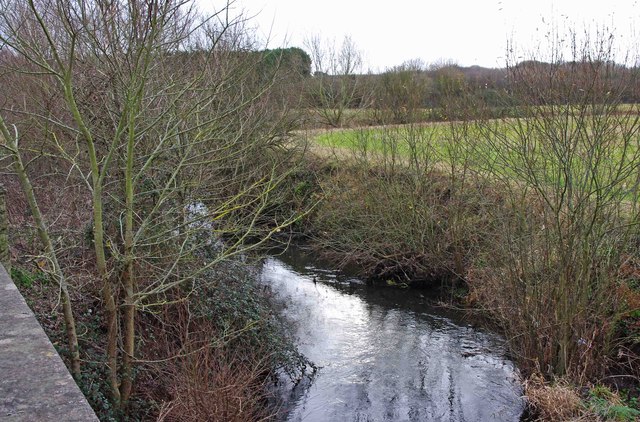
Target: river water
point(385, 354)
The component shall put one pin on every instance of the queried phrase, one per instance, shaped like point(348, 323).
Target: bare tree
point(335, 87)
point(163, 118)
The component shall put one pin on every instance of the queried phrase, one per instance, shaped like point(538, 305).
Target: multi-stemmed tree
point(164, 118)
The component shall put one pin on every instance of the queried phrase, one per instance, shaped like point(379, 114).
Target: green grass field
point(585, 151)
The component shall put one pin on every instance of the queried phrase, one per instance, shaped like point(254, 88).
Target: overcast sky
point(468, 32)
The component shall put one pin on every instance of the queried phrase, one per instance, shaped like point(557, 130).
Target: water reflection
point(384, 356)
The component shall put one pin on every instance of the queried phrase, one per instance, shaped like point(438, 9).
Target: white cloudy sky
point(466, 31)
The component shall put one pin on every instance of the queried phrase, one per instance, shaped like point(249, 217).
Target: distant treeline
point(414, 90)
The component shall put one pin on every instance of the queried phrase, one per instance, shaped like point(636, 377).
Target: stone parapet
point(35, 384)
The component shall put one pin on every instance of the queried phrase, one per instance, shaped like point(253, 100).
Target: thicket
point(145, 149)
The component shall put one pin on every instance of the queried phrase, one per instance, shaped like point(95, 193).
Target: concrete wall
point(5, 253)
point(35, 384)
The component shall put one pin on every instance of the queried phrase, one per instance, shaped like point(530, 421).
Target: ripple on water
point(381, 360)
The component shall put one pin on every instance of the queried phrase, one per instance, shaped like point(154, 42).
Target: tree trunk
point(43, 233)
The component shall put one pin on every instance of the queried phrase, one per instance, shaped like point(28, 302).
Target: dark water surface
point(385, 354)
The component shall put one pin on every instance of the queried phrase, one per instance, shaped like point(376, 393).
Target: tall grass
point(393, 208)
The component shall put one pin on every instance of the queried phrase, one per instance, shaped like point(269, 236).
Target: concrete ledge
point(35, 384)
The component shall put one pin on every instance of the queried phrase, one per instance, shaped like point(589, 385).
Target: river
point(386, 354)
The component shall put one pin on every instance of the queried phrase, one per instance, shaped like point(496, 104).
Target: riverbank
point(212, 356)
point(413, 225)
